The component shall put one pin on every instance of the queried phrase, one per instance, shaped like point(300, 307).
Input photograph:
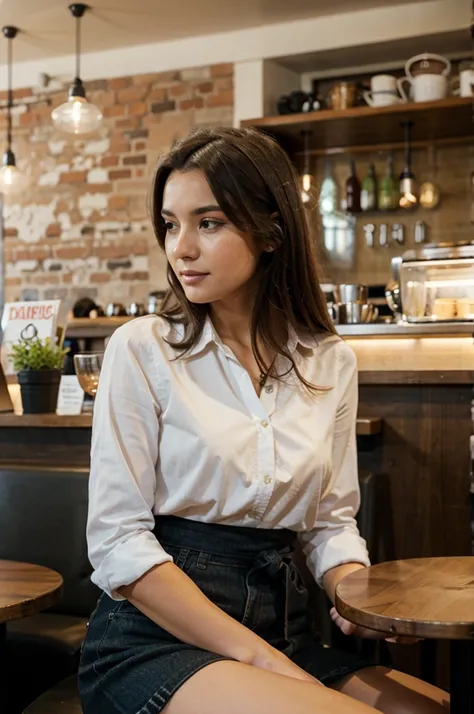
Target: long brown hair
point(257, 188)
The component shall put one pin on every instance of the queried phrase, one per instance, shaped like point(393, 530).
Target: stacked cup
point(383, 91)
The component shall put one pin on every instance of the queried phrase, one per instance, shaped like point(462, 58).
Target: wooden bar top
point(366, 426)
point(81, 421)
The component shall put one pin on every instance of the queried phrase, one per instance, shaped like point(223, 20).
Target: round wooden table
point(25, 589)
point(424, 597)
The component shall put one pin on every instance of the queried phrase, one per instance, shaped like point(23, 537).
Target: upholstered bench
point(61, 699)
point(43, 514)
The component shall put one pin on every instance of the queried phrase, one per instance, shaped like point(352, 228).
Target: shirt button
point(269, 388)
point(264, 423)
point(267, 479)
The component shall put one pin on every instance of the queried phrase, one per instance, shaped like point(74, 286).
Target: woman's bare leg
point(236, 688)
point(393, 692)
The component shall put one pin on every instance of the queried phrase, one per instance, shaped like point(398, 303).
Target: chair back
point(43, 514)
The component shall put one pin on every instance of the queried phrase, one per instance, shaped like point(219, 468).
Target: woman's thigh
point(233, 688)
point(393, 692)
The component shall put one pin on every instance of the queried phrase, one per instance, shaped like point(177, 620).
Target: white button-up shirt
point(188, 436)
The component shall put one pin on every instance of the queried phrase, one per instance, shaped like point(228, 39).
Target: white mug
point(382, 99)
point(425, 87)
point(383, 83)
point(465, 82)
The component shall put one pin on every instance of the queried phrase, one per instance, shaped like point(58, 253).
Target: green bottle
point(388, 194)
point(368, 197)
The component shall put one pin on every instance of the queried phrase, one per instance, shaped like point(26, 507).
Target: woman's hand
point(348, 628)
point(273, 660)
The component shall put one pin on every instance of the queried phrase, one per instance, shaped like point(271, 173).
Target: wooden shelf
point(94, 328)
point(446, 120)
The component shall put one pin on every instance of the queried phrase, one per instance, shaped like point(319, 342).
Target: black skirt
point(131, 665)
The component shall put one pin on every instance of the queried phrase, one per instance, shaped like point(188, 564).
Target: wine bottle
point(388, 193)
point(328, 198)
point(368, 197)
point(353, 191)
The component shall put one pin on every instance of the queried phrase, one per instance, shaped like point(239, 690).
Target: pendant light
point(12, 180)
point(306, 178)
point(77, 115)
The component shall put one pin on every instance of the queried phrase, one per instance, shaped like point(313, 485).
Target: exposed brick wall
point(82, 226)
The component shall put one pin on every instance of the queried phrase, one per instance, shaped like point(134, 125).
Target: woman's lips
point(192, 277)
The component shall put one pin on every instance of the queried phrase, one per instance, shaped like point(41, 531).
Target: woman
point(224, 431)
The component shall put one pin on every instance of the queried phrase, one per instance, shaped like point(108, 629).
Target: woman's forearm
point(170, 598)
point(334, 575)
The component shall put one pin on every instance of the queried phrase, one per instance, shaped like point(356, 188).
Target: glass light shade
point(12, 180)
point(77, 116)
point(306, 185)
point(408, 198)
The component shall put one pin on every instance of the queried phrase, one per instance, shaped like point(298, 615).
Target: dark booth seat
point(43, 514)
point(61, 699)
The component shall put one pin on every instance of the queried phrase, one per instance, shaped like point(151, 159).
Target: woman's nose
point(186, 246)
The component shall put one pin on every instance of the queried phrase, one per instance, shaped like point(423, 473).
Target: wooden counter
point(414, 377)
point(45, 438)
point(55, 421)
point(366, 426)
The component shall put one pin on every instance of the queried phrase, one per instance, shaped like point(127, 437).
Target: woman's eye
point(169, 226)
point(209, 225)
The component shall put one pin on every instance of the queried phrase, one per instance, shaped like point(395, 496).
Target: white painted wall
point(277, 80)
point(248, 90)
point(257, 86)
point(260, 43)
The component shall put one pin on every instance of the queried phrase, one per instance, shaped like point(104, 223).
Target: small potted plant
point(39, 365)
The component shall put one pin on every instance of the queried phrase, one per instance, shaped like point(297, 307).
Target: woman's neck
point(232, 322)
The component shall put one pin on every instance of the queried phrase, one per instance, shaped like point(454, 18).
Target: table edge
point(32, 605)
point(427, 629)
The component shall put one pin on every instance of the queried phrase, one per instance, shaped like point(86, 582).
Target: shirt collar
point(209, 336)
point(306, 340)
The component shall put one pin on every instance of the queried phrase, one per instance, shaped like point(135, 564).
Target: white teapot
point(428, 77)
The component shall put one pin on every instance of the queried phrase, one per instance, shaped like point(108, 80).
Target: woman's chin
point(197, 295)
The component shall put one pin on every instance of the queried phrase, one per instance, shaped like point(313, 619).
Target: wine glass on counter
point(88, 366)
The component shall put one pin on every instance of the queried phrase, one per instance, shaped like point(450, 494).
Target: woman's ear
point(276, 232)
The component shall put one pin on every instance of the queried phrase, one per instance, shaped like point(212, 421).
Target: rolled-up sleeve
point(335, 540)
point(124, 457)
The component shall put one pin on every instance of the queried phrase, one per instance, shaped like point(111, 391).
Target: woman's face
point(212, 259)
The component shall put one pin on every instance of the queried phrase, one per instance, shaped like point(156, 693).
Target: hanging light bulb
point(12, 180)
point(77, 115)
point(306, 178)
